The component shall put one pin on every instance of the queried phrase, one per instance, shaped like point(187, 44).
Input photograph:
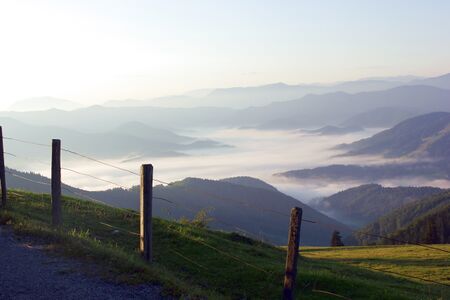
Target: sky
point(91, 51)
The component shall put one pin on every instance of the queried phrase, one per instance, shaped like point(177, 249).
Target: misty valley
point(229, 150)
point(349, 144)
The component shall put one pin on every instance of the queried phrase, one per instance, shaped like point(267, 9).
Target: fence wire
point(203, 192)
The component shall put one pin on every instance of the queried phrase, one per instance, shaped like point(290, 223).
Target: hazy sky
point(92, 51)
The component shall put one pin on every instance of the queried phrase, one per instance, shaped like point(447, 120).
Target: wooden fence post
point(145, 244)
point(56, 182)
point(2, 169)
point(292, 253)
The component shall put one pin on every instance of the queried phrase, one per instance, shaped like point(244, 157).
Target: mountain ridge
point(260, 212)
point(421, 136)
point(363, 204)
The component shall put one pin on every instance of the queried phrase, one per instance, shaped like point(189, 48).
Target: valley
point(235, 150)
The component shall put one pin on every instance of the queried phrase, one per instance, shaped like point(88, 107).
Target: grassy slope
point(184, 265)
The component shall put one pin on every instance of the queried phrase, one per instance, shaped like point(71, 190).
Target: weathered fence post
point(56, 182)
point(2, 169)
point(145, 244)
point(292, 253)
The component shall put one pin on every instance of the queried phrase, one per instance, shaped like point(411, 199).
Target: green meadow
point(194, 262)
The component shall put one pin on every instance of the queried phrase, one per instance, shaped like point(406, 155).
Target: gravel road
point(27, 272)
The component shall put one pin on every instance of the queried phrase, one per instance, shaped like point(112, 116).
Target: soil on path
point(28, 272)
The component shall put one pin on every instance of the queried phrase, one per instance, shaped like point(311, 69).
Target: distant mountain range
point(414, 222)
point(381, 117)
point(423, 141)
point(43, 103)
point(127, 141)
point(372, 173)
point(243, 97)
point(311, 110)
point(361, 205)
point(241, 204)
point(337, 108)
point(332, 130)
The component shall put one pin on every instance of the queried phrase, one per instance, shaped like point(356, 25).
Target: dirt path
point(27, 272)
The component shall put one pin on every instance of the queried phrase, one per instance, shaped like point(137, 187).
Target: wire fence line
point(33, 160)
point(192, 189)
point(99, 161)
point(119, 228)
point(333, 227)
point(83, 195)
point(218, 220)
point(211, 195)
point(235, 258)
point(137, 234)
point(27, 179)
point(208, 194)
point(197, 190)
point(232, 256)
point(188, 259)
point(27, 142)
point(48, 164)
point(70, 190)
point(155, 179)
point(159, 198)
point(94, 177)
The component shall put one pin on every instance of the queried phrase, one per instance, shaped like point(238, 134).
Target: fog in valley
point(255, 153)
point(277, 133)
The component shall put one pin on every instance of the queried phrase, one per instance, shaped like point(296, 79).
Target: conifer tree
point(336, 240)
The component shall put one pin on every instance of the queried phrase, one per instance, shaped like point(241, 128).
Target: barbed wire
point(214, 218)
point(68, 169)
point(209, 194)
point(405, 275)
point(119, 228)
point(99, 161)
point(204, 193)
point(221, 252)
point(47, 164)
point(27, 142)
point(137, 174)
point(226, 199)
point(188, 259)
point(27, 179)
point(70, 190)
point(199, 191)
point(94, 177)
point(334, 227)
point(134, 233)
point(329, 226)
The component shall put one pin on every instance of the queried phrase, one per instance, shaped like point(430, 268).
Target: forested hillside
point(361, 205)
point(432, 228)
point(407, 218)
point(261, 213)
